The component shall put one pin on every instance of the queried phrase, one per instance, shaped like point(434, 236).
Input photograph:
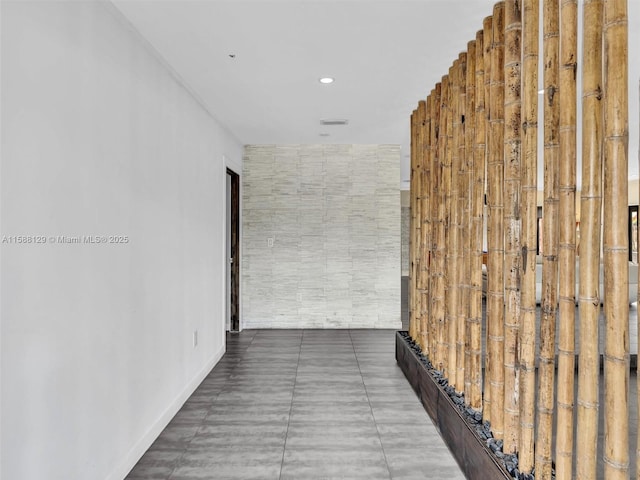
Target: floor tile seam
point(226, 386)
point(293, 392)
point(384, 454)
point(202, 424)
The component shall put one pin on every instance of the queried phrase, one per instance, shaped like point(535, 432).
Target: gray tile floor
point(302, 404)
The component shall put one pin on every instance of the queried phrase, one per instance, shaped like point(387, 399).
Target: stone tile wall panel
point(333, 213)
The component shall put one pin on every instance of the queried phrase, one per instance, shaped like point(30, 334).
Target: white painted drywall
point(99, 138)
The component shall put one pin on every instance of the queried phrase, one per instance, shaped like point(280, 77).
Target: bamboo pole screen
point(567, 239)
point(452, 193)
point(415, 307)
point(487, 25)
point(477, 124)
point(425, 228)
point(495, 223)
point(549, 302)
point(421, 197)
point(460, 200)
point(447, 135)
point(615, 241)
point(529, 185)
point(473, 347)
point(439, 294)
point(434, 184)
point(414, 224)
point(474, 163)
point(590, 207)
point(512, 222)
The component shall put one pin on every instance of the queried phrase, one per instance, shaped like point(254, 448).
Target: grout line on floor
point(293, 392)
point(384, 454)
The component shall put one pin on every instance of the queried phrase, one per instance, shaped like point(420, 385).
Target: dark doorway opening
point(233, 251)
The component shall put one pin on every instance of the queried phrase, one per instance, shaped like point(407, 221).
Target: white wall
point(99, 138)
point(333, 212)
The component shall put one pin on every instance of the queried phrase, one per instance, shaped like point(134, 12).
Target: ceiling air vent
point(334, 121)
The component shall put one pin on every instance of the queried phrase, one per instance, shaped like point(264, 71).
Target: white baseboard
point(149, 437)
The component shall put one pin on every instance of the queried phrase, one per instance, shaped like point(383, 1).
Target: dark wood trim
point(234, 310)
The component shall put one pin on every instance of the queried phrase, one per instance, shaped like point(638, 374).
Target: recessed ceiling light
point(326, 80)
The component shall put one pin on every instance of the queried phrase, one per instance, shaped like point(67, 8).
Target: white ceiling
point(384, 55)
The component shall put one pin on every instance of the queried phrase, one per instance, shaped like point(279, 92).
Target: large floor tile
point(229, 437)
point(176, 437)
point(434, 463)
point(237, 455)
point(155, 465)
point(225, 471)
point(318, 394)
point(328, 414)
point(255, 395)
point(390, 413)
point(320, 378)
point(323, 463)
point(303, 405)
point(342, 436)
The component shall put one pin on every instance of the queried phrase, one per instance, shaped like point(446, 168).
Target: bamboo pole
point(567, 245)
point(451, 186)
point(530, 38)
point(487, 26)
point(417, 317)
point(448, 270)
point(419, 219)
point(512, 222)
point(412, 228)
point(461, 211)
point(472, 372)
point(423, 251)
point(477, 225)
point(434, 189)
point(417, 225)
point(615, 241)
point(590, 235)
point(439, 299)
point(426, 229)
point(495, 230)
point(549, 303)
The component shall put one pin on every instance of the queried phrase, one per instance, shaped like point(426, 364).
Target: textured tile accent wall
point(332, 216)
point(406, 221)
